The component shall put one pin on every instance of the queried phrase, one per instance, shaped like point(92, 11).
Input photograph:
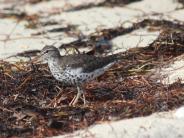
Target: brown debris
point(181, 1)
point(109, 34)
point(100, 41)
point(105, 3)
point(33, 103)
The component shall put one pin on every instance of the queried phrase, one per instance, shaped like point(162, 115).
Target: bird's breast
point(73, 76)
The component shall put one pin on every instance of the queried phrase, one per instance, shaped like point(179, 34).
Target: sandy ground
point(159, 125)
point(16, 37)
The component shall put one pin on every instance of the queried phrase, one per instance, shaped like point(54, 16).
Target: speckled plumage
point(76, 69)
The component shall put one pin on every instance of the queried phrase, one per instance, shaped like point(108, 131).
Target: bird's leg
point(72, 100)
point(79, 92)
point(76, 98)
point(84, 98)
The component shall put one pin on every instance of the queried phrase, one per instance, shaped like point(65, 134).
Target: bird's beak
point(36, 59)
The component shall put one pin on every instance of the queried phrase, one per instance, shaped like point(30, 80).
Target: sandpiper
point(76, 69)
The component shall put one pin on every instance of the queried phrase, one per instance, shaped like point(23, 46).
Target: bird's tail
point(120, 56)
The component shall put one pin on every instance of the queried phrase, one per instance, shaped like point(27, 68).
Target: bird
point(76, 69)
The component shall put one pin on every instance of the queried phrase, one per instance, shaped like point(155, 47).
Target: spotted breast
point(74, 76)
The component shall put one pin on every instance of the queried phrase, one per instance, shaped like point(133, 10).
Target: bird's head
point(49, 52)
point(46, 53)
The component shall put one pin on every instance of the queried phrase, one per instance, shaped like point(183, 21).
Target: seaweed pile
point(33, 103)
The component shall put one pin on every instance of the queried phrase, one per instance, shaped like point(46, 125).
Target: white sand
point(162, 125)
point(87, 22)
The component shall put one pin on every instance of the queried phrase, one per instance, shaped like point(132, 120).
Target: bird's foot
point(84, 99)
point(76, 98)
point(72, 101)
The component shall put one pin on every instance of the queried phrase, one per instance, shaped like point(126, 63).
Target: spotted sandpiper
point(76, 69)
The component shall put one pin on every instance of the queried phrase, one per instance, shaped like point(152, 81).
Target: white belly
point(75, 76)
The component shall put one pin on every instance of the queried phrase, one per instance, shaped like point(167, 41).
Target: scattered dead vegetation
point(99, 42)
point(33, 103)
point(36, 1)
point(20, 16)
point(105, 3)
point(181, 1)
point(172, 28)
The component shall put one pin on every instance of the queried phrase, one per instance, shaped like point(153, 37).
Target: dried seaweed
point(181, 1)
point(109, 34)
point(33, 103)
point(105, 3)
point(100, 41)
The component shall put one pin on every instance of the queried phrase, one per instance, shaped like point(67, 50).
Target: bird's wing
point(99, 62)
point(88, 63)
